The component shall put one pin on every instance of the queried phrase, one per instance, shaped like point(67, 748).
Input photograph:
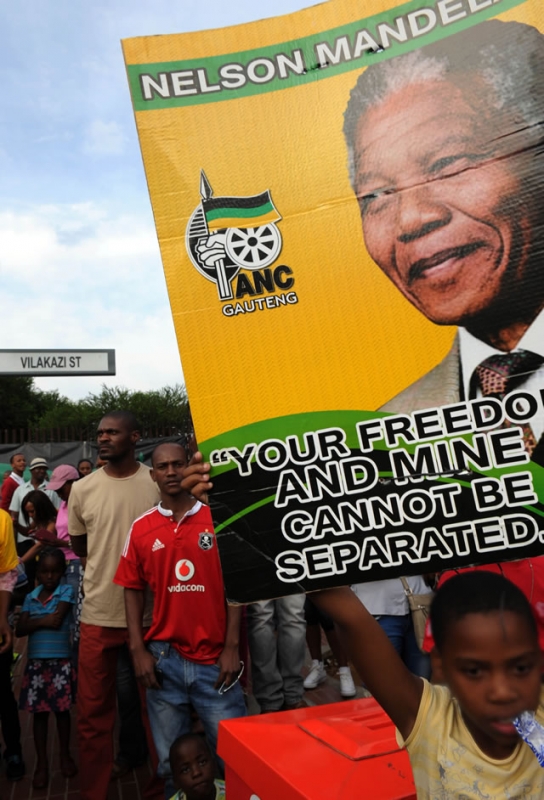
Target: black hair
point(82, 461)
point(177, 444)
point(127, 417)
point(52, 552)
point(181, 740)
point(13, 456)
point(45, 511)
point(479, 592)
point(507, 56)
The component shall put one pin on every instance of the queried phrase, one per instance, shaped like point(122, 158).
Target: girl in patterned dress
point(49, 679)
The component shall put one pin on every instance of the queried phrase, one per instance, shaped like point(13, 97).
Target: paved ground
point(131, 786)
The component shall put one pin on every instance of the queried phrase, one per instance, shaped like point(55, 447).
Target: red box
point(342, 751)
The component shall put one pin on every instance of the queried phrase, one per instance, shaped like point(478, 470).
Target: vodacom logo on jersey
point(185, 571)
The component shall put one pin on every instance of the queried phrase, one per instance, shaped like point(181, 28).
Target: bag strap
point(407, 591)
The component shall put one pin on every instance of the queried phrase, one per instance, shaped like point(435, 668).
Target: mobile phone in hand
point(159, 677)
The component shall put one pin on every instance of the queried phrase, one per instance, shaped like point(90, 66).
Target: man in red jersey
point(189, 655)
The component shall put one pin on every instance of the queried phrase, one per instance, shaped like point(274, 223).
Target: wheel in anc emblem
point(253, 248)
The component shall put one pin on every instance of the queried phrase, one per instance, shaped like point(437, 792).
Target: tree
point(23, 405)
point(166, 407)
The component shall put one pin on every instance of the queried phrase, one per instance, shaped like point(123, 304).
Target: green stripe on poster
point(241, 213)
point(298, 62)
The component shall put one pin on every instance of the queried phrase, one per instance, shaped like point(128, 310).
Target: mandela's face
point(440, 197)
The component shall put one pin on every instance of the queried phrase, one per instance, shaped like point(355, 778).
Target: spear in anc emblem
point(223, 283)
point(206, 191)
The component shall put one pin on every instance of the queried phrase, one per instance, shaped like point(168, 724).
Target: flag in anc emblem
point(239, 212)
point(226, 234)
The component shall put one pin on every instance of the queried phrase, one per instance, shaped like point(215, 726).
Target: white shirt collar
point(473, 351)
point(29, 485)
point(166, 512)
point(17, 478)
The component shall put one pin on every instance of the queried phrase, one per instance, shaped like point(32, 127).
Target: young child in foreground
point(460, 736)
point(49, 679)
point(193, 770)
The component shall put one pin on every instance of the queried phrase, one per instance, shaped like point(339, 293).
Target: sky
point(79, 260)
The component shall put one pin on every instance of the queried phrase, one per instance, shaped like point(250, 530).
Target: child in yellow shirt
point(460, 736)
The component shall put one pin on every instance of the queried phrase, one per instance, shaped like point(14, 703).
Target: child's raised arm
point(392, 684)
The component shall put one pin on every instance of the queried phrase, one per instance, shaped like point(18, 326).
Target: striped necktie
point(502, 373)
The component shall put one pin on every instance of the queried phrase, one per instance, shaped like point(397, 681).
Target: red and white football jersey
point(180, 563)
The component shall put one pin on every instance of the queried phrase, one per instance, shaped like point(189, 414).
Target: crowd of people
point(116, 578)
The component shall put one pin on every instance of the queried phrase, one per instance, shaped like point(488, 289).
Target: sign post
point(41, 363)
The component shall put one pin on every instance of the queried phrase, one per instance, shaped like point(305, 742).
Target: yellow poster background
point(352, 341)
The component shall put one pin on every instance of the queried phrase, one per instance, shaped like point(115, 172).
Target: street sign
point(39, 363)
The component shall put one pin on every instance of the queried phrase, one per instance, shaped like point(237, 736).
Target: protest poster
point(348, 205)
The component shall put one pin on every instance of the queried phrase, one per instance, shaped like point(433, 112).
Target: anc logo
point(227, 234)
point(185, 570)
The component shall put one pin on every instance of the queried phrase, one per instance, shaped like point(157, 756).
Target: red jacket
point(8, 489)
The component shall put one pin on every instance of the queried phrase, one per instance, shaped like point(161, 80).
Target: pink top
point(62, 530)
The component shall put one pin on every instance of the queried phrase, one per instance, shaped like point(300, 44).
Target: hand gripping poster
point(350, 203)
